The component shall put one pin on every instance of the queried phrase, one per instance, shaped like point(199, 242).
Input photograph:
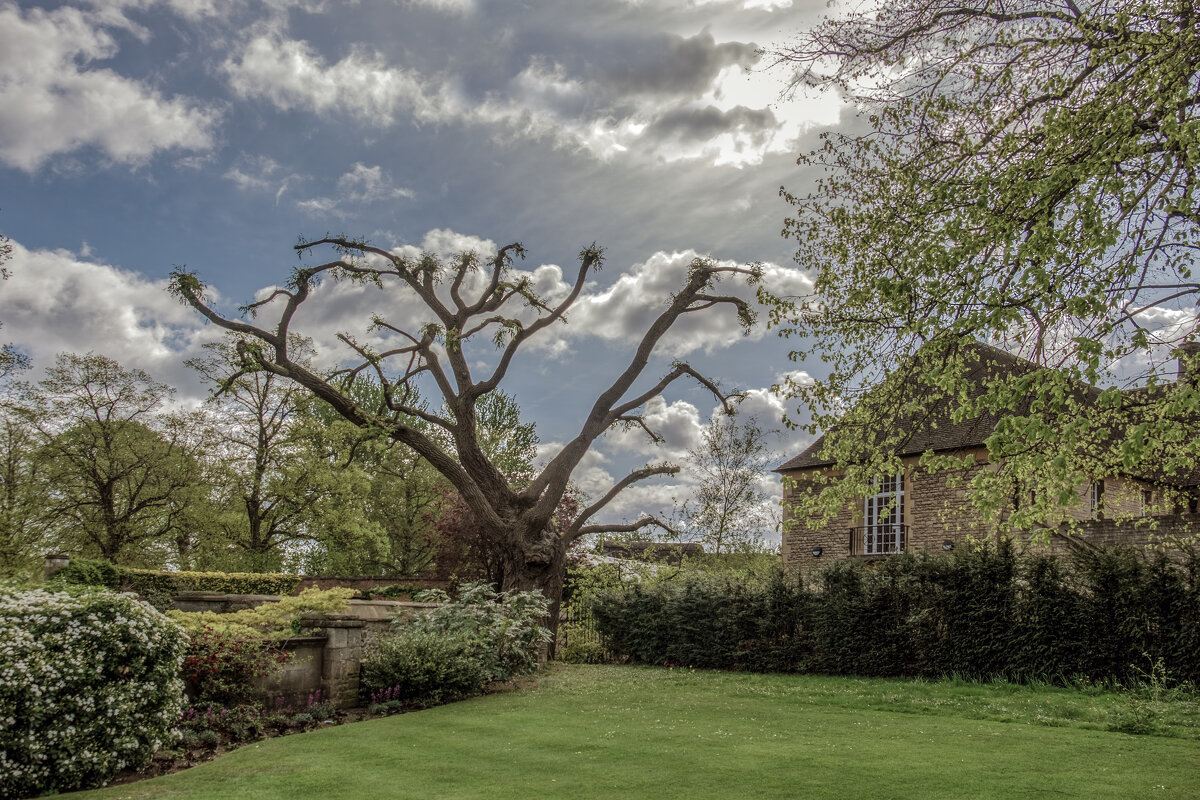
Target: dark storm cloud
point(702, 124)
point(684, 66)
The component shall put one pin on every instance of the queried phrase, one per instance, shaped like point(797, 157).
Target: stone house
point(916, 511)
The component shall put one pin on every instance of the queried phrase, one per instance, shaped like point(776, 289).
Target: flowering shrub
point(458, 648)
point(89, 685)
point(507, 626)
point(220, 669)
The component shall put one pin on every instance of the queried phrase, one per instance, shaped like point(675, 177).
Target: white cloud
point(359, 186)
point(262, 174)
point(56, 301)
point(292, 75)
point(626, 309)
point(696, 99)
point(56, 101)
point(678, 423)
point(457, 7)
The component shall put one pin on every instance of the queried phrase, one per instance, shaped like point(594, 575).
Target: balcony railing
point(882, 539)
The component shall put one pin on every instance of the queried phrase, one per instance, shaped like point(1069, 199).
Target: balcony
point(884, 539)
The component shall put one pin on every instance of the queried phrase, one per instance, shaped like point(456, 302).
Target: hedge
point(149, 583)
point(1116, 615)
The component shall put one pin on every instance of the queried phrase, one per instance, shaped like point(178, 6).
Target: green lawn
point(598, 732)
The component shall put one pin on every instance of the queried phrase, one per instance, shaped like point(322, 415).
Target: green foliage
point(220, 668)
point(1020, 173)
point(89, 685)
point(116, 478)
point(393, 591)
point(982, 614)
point(89, 572)
point(276, 619)
point(730, 512)
point(427, 667)
point(460, 646)
point(581, 651)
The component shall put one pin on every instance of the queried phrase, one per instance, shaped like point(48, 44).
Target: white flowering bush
point(456, 649)
point(89, 685)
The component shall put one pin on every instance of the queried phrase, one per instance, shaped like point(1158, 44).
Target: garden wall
point(329, 659)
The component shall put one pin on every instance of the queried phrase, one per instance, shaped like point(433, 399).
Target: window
point(883, 513)
point(1147, 502)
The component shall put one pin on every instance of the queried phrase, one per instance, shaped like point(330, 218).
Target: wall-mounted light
point(817, 552)
point(947, 545)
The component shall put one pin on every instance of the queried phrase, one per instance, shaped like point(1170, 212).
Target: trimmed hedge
point(1117, 615)
point(149, 583)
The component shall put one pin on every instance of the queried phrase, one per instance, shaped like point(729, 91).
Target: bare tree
point(467, 304)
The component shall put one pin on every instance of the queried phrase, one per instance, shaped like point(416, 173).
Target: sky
point(142, 135)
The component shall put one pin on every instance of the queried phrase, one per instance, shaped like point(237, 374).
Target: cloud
point(626, 309)
point(684, 67)
point(669, 98)
point(293, 76)
point(55, 101)
point(678, 423)
point(359, 186)
point(262, 174)
point(57, 301)
point(456, 7)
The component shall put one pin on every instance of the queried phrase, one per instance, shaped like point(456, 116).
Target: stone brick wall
point(329, 658)
point(937, 509)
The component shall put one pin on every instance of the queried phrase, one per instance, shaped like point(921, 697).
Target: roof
point(935, 429)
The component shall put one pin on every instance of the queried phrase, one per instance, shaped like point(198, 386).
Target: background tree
point(22, 534)
point(463, 304)
point(1025, 173)
point(280, 482)
point(115, 480)
point(730, 511)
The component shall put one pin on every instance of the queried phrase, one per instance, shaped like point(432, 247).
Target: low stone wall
point(328, 658)
point(301, 676)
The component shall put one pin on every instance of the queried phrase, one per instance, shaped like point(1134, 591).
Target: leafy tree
point(279, 482)
point(730, 511)
point(116, 480)
point(21, 502)
point(1023, 172)
point(463, 303)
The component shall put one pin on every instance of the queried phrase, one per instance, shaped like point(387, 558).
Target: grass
point(588, 732)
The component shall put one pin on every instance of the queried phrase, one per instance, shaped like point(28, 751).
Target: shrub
point(89, 685)
point(506, 626)
point(459, 647)
point(146, 582)
point(426, 667)
point(276, 619)
point(978, 614)
point(220, 669)
point(393, 591)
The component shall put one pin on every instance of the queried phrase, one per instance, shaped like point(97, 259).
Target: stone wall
point(933, 510)
point(327, 658)
point(937, 510)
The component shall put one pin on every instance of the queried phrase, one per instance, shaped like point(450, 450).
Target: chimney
point(1188, 354)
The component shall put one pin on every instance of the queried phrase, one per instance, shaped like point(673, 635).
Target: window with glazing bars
point(884, 517)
